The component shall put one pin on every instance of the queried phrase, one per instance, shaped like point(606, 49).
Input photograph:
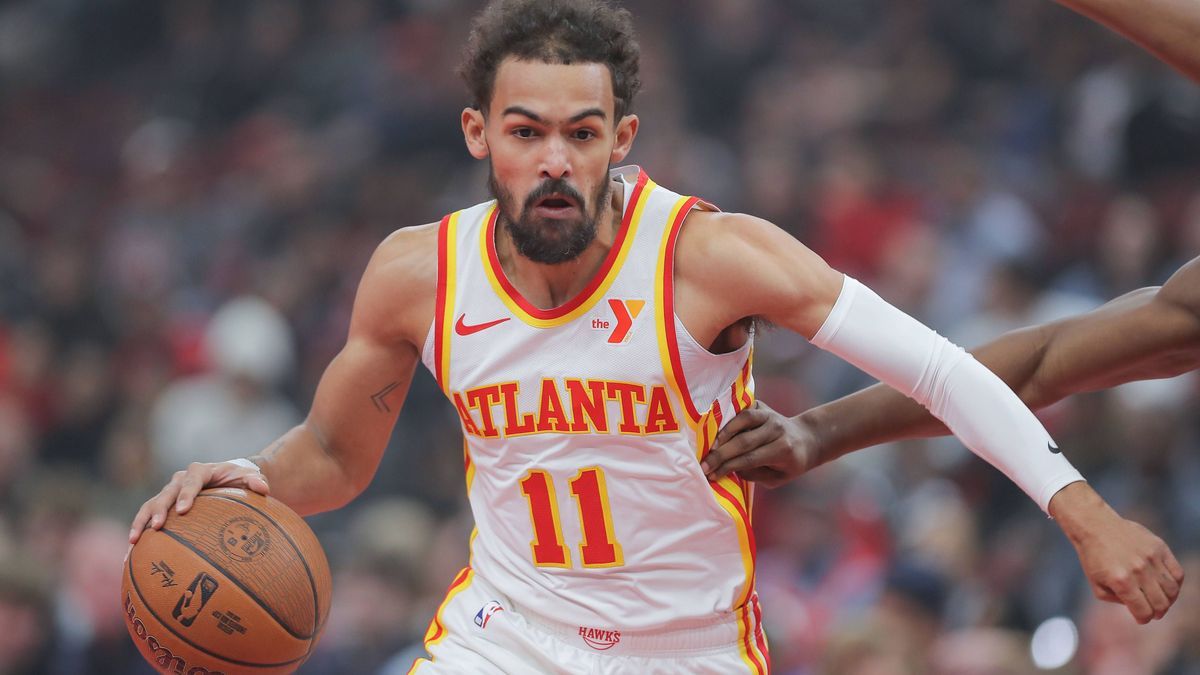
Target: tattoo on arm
point(261, 458)
point(379, 397)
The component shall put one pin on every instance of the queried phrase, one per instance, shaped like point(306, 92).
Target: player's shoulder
point(711, 241)
point(717, 225)
point(396, 294)
point(406, 257)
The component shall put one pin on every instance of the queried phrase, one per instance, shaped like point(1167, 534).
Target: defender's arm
point(1148, 333)
point(1169, 29)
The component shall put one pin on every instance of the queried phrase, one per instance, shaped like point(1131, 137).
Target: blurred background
point(190, 189)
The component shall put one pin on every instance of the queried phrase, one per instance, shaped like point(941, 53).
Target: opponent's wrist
point(817, 422)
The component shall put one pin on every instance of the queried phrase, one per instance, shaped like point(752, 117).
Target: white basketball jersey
point(584, 425)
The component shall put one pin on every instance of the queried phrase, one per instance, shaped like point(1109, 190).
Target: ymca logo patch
point(486, 612)
point(623, 314)
point(599, 638)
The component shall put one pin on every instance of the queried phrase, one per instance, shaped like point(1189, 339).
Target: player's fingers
point(768, 453)
point(194, 480)
point(1162, 574)
point(153, 513)
point(1151, 583)
point(139, 523)
point(258, 483)
point(749, 418)
point(1155, 595)
point(1133, 598)
point(1103, 593)
point(743, 451)
point(765, 476)
point(1172, 567)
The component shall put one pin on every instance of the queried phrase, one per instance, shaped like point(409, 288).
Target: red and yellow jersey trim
point(732, 494)
point(589, 296)
point(444, 299)
point(740, 393)
point(751, 641)
point(736, 497)
point(665, 303)
point(468, 465)
point(437, 630)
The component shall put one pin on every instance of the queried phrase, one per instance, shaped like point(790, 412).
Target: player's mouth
point(556, 206)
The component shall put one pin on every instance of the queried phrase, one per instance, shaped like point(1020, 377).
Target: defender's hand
point(185, 485)
point(763, 446)
point(1125, 563)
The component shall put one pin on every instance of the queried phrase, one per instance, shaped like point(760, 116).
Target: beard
point(550, 241)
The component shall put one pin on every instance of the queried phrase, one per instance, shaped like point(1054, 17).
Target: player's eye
point(584, 134)
point(523, 132)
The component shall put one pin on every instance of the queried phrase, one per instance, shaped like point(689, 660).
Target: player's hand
point(763, 446)
point(1125, 563)
point(185, 485)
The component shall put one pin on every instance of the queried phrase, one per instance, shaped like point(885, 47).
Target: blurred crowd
point(190, 189)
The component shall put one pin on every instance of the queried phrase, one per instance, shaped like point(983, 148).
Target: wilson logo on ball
point(245, 539)
point(159, 654)
point(197, 595)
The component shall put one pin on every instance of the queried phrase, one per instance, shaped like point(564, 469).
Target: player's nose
point(555, 160)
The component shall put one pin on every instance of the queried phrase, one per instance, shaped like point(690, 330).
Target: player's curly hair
point(552, 31)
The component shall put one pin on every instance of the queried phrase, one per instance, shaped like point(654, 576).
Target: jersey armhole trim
point(664, 288)
point(444, 302)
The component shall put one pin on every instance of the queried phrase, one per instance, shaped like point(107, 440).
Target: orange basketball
point(238, 584)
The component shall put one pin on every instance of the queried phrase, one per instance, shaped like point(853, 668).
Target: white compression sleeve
point(971, 400)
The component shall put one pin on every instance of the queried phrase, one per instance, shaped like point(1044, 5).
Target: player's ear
point(473, 126)
point(627, 130)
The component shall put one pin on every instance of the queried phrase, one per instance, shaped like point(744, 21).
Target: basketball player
point(591, 328)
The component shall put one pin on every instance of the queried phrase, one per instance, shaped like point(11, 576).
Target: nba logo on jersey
point(485, 613)
point(620, 323)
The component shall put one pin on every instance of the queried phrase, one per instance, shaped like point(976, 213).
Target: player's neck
point(549, 286)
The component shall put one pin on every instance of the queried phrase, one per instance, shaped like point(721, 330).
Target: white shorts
point(479, 631)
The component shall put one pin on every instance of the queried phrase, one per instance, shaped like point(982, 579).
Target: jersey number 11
point(599, 548)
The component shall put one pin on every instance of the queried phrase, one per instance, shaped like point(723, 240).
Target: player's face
point(550, 138)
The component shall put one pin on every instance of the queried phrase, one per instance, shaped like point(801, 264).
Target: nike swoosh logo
point(1053, 448)
point(462, 328)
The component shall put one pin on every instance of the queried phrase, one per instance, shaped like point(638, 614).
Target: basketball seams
point(166, 626)
point(318, 620)
point(237, 582)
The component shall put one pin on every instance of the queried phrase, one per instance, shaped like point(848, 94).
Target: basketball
point(238, 584)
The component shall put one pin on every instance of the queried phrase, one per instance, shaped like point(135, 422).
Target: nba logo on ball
point(485, 613)
point(194, 599)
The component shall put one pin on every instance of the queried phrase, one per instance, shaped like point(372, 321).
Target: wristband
point(244, 463)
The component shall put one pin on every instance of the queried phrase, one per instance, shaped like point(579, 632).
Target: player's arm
point(755, 269)
point(1169, 29)
point(1148, 333)
point(331, 457)
point(743, 267)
